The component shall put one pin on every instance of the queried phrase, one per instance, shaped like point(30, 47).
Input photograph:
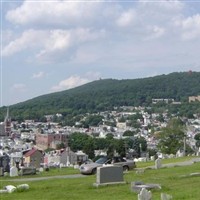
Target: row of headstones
point(147, 195)
point(23, 171)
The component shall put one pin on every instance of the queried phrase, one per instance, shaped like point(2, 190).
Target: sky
point(49, 46)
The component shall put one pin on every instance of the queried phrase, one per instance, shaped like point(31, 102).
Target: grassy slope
point(81, 188)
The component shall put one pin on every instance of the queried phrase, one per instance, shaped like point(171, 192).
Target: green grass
point(164, 161)
point(181, 188)
point(51, 172)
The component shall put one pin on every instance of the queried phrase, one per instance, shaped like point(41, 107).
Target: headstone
point(22, 187)
point(165, 196)
point(1, 171)
point(28, 171)
point(13, 171)
point(10, 188)
point(41, 169)
point(138, 185)
point(158, 163)
point(144, 194)
point(109, 175)
point(152, 158)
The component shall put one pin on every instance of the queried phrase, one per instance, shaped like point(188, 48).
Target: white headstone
point(10, 188)
point(13, 171)
point(144, 194)
point(41, 169)
point(158, 163)
point(165, 196)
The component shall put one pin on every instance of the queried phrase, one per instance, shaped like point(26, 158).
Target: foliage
point(80, 141)
point(197, 138)
point(108, 93)
point(171, 137)
point(139, 144)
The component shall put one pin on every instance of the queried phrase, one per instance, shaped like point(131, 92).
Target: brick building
point(50, 140)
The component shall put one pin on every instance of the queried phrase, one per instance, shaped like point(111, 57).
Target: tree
point(139, 144)
point(197, 138)
point(128, 133)
point(77, 141)
point(171, 137)
point(89, 148)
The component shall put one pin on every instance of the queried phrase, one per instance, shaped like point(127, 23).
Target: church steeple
point(7, 123)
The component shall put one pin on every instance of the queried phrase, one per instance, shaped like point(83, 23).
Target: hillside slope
point(104, 94)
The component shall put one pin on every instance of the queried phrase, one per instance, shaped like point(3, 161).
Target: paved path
point(45, 178)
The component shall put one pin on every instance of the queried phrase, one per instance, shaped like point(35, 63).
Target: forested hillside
point(105, 94)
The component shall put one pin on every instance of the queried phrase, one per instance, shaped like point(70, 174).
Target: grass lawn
point(81, 188)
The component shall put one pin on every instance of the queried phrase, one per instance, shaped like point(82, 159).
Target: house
point(194, 98)
point(33, 158)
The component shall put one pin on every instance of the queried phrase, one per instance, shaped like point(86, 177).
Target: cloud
point(126, 18)
point(19, 87)
point(49, 44)
point(190, 27)
point(69, 83)
point(53, 13)
point(28, 39)
point(60, 40)
point(38, 75)
point(75, 81)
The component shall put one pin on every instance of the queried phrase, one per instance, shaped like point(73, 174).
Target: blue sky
point(49, 46)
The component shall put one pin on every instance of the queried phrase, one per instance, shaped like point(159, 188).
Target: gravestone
point(13, 171)
point(144, 194)
point(158, 163)
point(165, 196)
point(138, 185)
point(41, 169)
point(10, 188)
point(1, 171)
point(28, 171)
point(22, 187)
point(109, 175)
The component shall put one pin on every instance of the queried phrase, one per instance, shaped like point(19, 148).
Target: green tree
point(197, 138)
point(171, 137)
point(128, 133)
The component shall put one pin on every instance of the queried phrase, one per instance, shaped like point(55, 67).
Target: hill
point(105, 94)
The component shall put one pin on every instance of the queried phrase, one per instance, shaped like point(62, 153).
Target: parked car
point(91, 168)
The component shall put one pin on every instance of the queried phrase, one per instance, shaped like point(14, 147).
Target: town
point(31, 145)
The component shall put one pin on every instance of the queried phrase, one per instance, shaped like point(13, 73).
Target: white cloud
point(38, 75)
point(71, 82)
point(191, 27)
point(28, 39)
point(19, 87)
point(75, 81)
point(48, 44)
point(57, 12)
point(126, 18)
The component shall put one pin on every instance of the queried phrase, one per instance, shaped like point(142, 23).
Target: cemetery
point(153, 183)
